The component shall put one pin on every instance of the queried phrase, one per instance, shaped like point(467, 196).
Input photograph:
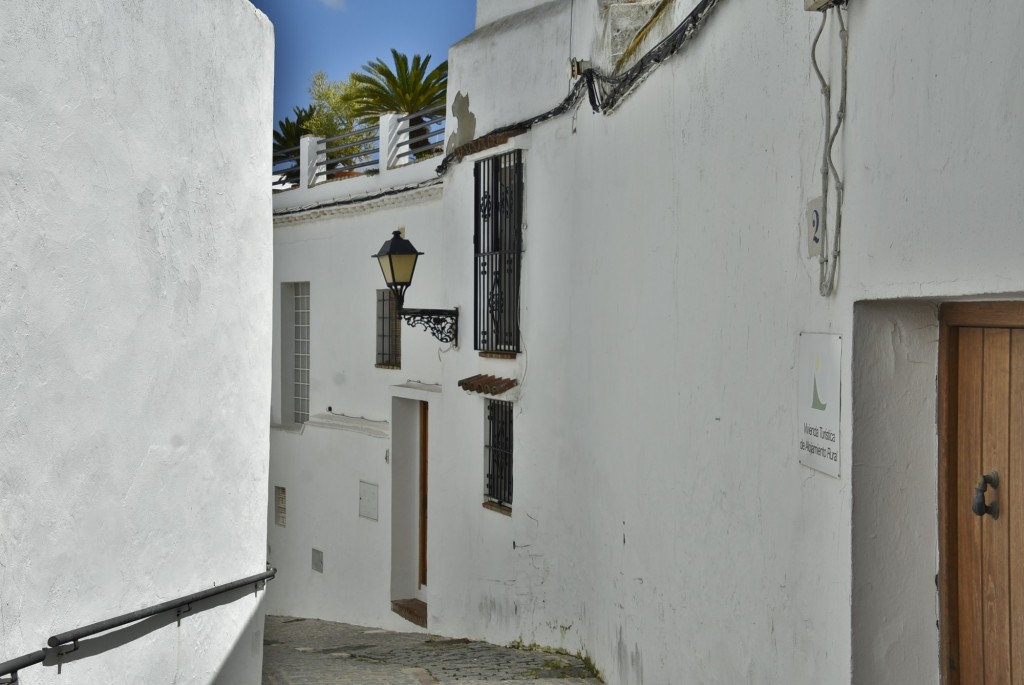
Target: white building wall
point(661, 520)
point(135, 322)
point(495, 54)
point(321, 464)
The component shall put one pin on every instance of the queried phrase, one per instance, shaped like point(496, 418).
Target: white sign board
point(818, 404)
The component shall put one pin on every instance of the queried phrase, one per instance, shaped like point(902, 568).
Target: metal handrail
point(426, 136)
point(12, 666)
point(360, 133)
point(423, 112)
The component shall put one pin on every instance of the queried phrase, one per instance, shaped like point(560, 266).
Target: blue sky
point(339, 36)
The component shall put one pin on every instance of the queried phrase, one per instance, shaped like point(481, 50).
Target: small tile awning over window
point(487, 385)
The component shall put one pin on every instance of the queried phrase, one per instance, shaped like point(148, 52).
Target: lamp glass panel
point(385, 267)
point(403, 266)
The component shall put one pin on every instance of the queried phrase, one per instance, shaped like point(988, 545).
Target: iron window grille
point(498, 249)
point(280, 506)
point(389, 331)
point(300, 377)
point(499, 451)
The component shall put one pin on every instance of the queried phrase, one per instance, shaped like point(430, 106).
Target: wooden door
point(983, 541)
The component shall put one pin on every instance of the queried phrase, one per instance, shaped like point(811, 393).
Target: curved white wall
point(135, 319)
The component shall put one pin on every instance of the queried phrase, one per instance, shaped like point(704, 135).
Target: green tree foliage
point(289, 134)
point(332, 106)
point(332, 117)
point(407, 88)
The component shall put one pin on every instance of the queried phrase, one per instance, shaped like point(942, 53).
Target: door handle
point(978, 505)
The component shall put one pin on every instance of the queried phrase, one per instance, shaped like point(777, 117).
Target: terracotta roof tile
point(487, 385)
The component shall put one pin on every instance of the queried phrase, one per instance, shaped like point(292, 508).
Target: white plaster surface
point(135, 323)
point(895, 540)
point(661, 521)
point(321, 466)
point(488, 11)
point(495, 54)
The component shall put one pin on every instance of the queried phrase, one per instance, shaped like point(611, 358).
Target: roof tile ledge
point(487, 385)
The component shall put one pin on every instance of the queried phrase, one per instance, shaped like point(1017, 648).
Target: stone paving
point(300, 651)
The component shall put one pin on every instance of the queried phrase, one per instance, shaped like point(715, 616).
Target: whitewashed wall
point(321, 466)
point(661, 521)
point(135, 323)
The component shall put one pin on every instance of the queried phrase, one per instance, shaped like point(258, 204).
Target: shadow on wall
point(245, 662)
point(465, 129)
point(114, 639)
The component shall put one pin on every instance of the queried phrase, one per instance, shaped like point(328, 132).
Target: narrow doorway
point(424, 426)
point(981, 496)
point(409, 477)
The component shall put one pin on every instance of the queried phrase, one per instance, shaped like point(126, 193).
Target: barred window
point(498, 247)
point(280, 506)
point(300, 378)
point(389, 331)
point(499, 451)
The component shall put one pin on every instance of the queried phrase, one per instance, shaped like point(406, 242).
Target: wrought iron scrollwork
point(443, 324)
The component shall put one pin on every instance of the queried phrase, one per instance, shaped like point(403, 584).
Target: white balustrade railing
point(396, 141)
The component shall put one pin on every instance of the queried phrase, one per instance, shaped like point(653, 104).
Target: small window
point(389, 331)
point(300, 384)
point(280, 507)
point(499, 452)
point(295, 353)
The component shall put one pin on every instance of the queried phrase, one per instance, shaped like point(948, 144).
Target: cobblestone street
point(300, 651)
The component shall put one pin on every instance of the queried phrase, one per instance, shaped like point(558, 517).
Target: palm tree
point(408, 88)
point(287, 138)
point(289, 132)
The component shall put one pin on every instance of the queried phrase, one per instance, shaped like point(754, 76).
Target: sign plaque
point(818, 404)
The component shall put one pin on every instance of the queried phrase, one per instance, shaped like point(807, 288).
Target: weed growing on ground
point(555, 664)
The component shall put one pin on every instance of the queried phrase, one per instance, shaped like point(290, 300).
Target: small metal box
point(368, 500)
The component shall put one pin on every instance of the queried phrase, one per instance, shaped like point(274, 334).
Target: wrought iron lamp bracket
point(443, 324)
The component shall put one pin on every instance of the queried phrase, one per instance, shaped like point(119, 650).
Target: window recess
point(498, 248)
point(295, 350)
point(389, 331)
point(498, 485)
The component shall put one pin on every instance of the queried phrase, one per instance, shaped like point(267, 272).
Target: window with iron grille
point(499, 451)
point(300, 362)
point(280, 506)
point(389, 331)
point(498, 249)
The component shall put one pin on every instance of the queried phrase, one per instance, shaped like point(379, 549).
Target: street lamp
point(397, 258)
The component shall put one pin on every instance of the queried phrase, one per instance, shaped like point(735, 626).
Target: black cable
point(621, 85)
point(590, 81)
point(625, 82)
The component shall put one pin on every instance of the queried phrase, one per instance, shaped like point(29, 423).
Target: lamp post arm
point(443, 324)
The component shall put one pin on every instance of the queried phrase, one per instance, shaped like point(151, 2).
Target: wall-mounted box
point(318, 560)
point(368, 500)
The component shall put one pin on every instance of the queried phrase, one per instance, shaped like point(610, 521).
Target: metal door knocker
point(978, 506)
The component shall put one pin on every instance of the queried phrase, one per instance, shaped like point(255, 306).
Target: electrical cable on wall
point(828, 262)
point(605, 92)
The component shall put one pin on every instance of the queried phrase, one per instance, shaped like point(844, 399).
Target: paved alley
point(300, 651)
